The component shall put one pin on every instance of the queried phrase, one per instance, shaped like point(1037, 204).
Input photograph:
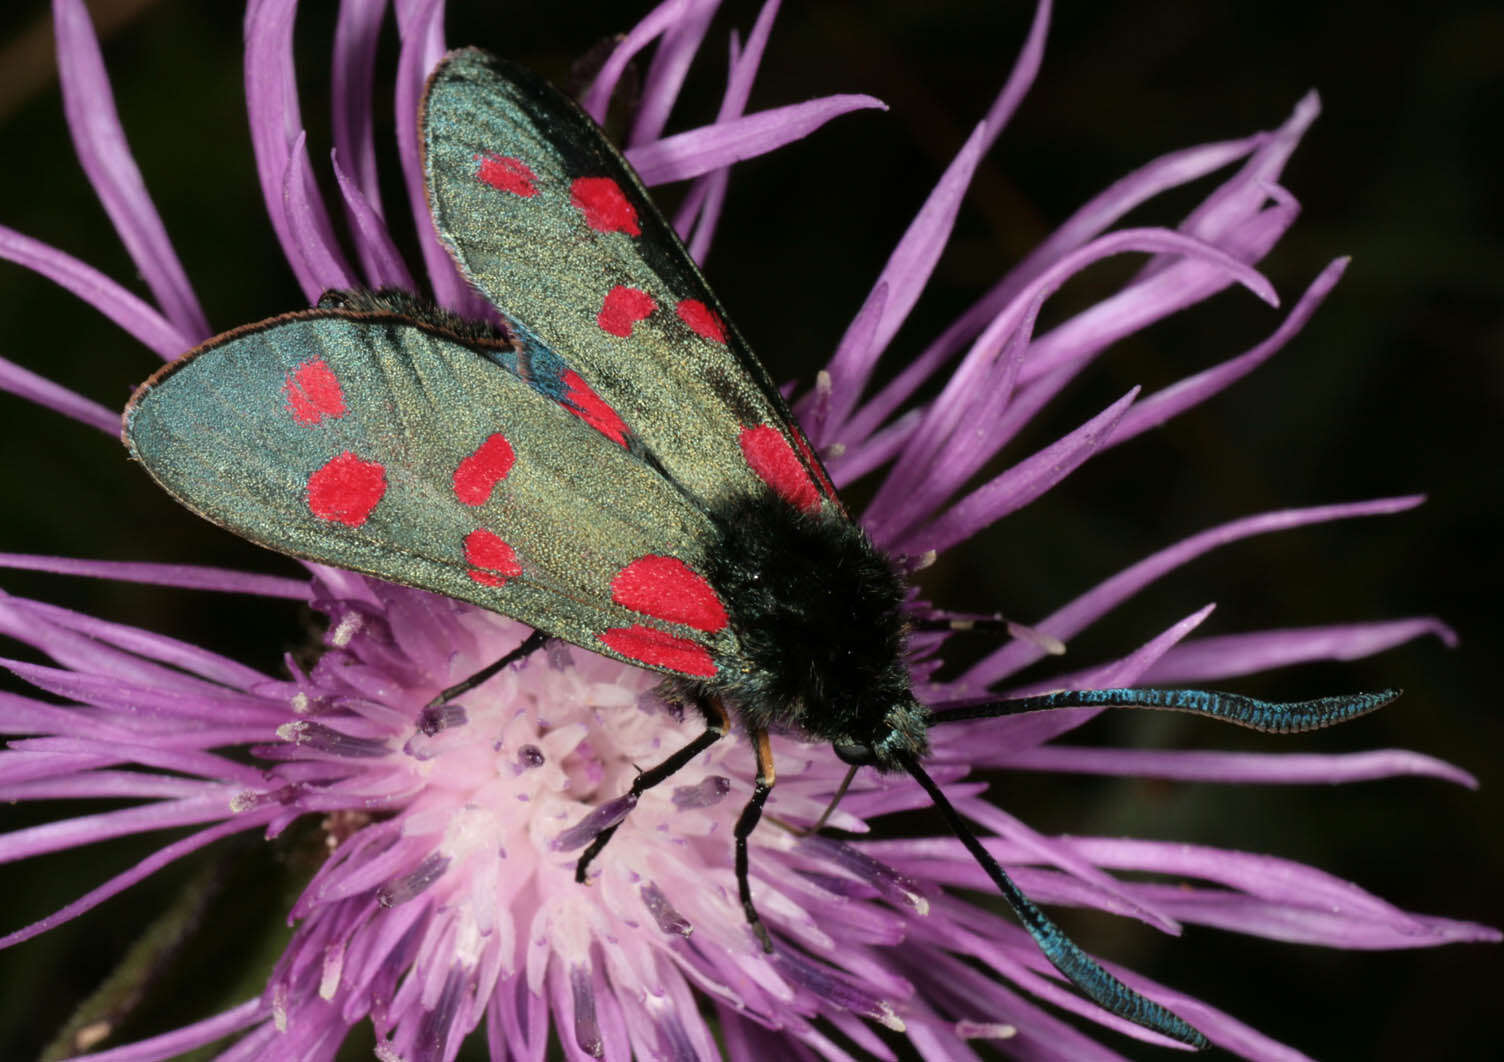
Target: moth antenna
point(1081, 969)
point(1271, 717)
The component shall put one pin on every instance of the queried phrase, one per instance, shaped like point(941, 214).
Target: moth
point(605, 461)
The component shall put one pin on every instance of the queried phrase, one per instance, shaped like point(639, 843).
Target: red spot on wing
point(660, 649)
point(481, 471)
point(592, 409)
point(507, 174)
point(825, 484)
point(702, 320)
point(313, 393)
point(771, 457)
point(668, 589)
point(345, 489)
point(492, 562)
point(605, 206)
point(623, 308)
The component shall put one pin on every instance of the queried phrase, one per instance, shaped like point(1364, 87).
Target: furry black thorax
point(818, 611)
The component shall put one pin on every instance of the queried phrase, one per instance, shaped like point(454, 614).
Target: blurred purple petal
point(89, 104)
point(689, 154)
point(649, 27)
point(98, 290)
point(1066, 622)
point(1015, 488)
point(665, 77)
point(182, 1041)
point(1244, 654)
point(181, 655)
point(28, 385)
point(1305, 924)
point(146, 868)
point(192, 576)
point(744, 66)
point(1262, 768)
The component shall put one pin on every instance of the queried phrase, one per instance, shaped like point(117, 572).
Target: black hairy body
point(818, 611)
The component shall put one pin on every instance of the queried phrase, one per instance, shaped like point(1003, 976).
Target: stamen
point(985, 1030)
point(320, 738)
point(412, 884)
point(707, 794)
point(587, 1030)
point(437, 717)
point(433, 1032)
point(529, 757)
point(668, 919)
point(602, 818)
point(889, 883)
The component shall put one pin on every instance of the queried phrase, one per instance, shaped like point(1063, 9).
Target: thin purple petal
point(1021, 77)
point(379, 257)
point(904, 276)
point(271, 93)
point(357, 36)
point(1243, 654)
point(1016, 487)
point(308, 225)
point(99, 291)
point(1161, 406)
point(146, 868)
point(191, 576)
point(652, 25)
point(181, 1041)
point(38, 389)
point(1066, 622)
point(99, 140)
point(660, 90)
point(1260, 768)
point(697, 151)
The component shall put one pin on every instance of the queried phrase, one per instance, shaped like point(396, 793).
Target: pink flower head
point(444, 903)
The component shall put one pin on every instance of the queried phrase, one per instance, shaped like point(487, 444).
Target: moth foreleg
point(745, 824)
point(531, 644)
point(716, 725)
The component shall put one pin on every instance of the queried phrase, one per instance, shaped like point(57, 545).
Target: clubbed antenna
point(1094, 982)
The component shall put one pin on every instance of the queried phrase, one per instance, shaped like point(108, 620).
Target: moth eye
point(854, 753)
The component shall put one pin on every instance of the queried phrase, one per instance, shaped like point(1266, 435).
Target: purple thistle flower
point(447, 902)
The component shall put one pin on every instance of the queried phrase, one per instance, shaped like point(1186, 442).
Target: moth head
point(902, 735)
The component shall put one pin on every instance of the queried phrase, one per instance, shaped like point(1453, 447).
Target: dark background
point(1394, 387)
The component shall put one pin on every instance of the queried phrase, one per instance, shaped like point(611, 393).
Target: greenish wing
point(547, 219)
point(392, 447)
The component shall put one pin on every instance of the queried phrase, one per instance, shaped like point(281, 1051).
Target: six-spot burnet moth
point(609, 463)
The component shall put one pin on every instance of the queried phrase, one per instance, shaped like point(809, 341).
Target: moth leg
point(531, 644)
point(716, 725)
point(744, 827)
point(830, 808)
